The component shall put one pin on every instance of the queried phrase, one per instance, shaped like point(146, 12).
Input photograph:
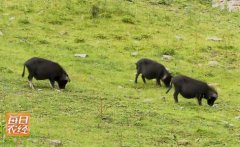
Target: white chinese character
point(23, 120)
point(24, 129)
point(19, 128)
point(13, 120)
point(11, 129)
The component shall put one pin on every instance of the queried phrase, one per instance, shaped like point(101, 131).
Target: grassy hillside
point(102, 106)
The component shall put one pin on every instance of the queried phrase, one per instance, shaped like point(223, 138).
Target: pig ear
point(214, 95)
point(211, 85)
point(67, 78)
point(164, 77)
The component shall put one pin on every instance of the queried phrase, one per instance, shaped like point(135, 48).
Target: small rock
point(197, 140)
point(63, 33)
point(228, 124)
point(224, 122)
point(55, 142)
point(120, 87)
point(1, 33)
point(183, 142)
point(163, 98)
point(92, 78)
point(215, 106)
point(219, 4)
point(39, 89)
point(11, 18)
point(81, 55)
point(179, 38)
point(237, 117)
point(167, 57)
point(40, 12)
point(134, 53)
point(213, 63)
point(214, 39)
point(147, 100)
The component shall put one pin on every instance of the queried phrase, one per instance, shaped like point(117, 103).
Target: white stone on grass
point(81, 55)
point(167, 57)
point(213, 63)
point(214, 39)
point(134, 53)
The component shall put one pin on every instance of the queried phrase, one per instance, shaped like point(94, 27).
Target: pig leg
point(30, 77)
point(137, 74)
point(199, 98)
point(31, 84)
point(51, 83)
point(143, 78)
point(158, 82)
point(175, 95)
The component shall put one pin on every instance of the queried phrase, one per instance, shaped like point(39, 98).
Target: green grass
point(102, 106)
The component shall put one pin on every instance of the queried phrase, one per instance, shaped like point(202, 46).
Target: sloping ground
point(101, 106)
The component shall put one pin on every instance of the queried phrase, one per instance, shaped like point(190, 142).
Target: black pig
point(191, 88)
point(42, 69)
point(152, 70)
